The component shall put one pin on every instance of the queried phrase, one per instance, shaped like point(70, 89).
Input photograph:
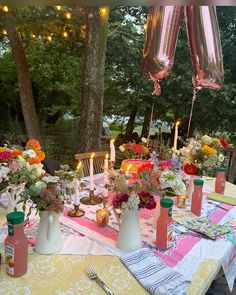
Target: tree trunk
point(24, 80)
point(130, 125)
point(146, 123)
point(90, 125)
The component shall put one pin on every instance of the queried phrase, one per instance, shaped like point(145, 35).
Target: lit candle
point(105, 177)
point(76, 200)
point(112, 150)
point(176, 135)
point(91, 181)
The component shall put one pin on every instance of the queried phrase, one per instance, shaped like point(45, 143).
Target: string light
point(65, 34)
point(5, 8)
point(103, 10)
point(4, 32)
point(145, 27)
point(58, 7)
point(49, 38)
point(68, 15)
point(33, 35)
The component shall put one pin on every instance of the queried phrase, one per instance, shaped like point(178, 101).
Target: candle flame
point(145, 27)
point(107, 155)
point(112, 140)
point(92, 155)
point(5, 8)
point(177, 123)
point(78, 166)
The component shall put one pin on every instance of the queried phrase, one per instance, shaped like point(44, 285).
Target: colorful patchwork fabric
point(204, 226)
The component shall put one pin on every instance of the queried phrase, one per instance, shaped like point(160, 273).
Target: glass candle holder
point(181, 201)
point(102, 217)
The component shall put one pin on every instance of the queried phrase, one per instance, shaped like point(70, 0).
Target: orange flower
point(17, 153)
point(34, 160)
point(40, 155)
point(33, 144)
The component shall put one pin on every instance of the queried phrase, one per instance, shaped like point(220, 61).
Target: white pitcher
point(129, 238)
point(49, 237)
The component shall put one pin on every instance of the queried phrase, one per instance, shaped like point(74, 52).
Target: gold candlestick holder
point(76, 212)
point(91, 199)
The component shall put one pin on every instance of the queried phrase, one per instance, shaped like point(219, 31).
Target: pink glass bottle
point(164, 229)
point(220, 181)
point(196, 205)
point(16, 245)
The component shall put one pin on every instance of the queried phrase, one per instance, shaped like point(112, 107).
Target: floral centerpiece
point(134, 150)
point(20, 169)
point(129, 201)
point(158, 177)
point(50, 192)
point(201, 156)
point(128, 197)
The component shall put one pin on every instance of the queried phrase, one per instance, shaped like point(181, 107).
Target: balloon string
point(157, 87)
point(191, 112)
point(150, 124)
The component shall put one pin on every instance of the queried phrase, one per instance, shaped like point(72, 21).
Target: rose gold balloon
point(163, 26)
point(204, 42)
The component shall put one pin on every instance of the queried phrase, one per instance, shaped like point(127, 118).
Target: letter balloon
point(205, 46)
point(163, 24)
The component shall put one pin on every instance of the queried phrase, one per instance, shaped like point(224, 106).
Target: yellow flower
point(2, 148)
point(208, 150)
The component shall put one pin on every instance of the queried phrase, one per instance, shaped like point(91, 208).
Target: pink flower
point(6, 155)
point(146, 201)
point(15, 165)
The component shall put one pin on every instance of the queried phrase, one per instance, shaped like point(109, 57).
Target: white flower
point(167, 179)
point(30, 153)
point(221, 157)
point(206, 140)
point(132, 202)
point(3, 172)
point(122, 148)
point(144, 140)
point(48, 179)
point(179, 188)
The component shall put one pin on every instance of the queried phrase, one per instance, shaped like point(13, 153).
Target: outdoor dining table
point(66, 274)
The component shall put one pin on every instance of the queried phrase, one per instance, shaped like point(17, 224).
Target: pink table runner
point(181, 244)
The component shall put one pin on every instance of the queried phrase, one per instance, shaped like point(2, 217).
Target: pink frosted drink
point(196, 205)
point(164, 229)
point(16, 245)
point(220, 181)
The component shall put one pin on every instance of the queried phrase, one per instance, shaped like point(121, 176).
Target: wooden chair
point(232, 167)
point(98, 161)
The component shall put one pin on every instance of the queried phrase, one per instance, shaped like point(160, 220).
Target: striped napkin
point(155, 276)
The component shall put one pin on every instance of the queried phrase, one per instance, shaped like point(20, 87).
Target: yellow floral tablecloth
point(66, 274)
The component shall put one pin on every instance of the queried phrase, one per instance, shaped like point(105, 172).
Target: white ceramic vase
point(13, 193)
point(49, 237)
point(129, 238)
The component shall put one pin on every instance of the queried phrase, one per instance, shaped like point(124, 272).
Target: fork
point(93, 276)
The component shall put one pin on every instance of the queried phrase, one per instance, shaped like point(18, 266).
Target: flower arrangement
point(159, 177)
point(134, 151)
point(201, 156)
point(50, 192)
point(128, 198)
point(19, 167)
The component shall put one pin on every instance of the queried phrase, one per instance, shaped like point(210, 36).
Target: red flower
point(145, 167)
point(190, 169)
point(6, 155)
point(224, 143)
point(146, 201)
